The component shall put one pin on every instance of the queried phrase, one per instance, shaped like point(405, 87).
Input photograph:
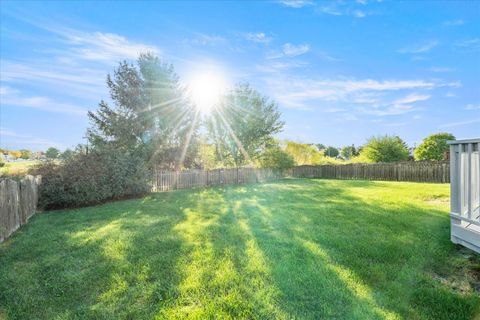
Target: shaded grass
point(304, 249)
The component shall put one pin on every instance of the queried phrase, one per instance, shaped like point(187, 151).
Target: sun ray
point(234, 137)
point(189, 137)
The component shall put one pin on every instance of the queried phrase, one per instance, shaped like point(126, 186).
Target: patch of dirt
point(465, 277)
point(455, 283)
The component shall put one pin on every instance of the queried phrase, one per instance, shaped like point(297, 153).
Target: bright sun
point(206, 87)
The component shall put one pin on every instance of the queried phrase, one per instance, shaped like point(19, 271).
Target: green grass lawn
point(17, 168)
point(293, 249)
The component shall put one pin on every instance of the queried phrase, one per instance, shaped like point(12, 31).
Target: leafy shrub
point(276, 158)
point(385, 149)
point(87, 179)
point(331, 152)
point(433, 147)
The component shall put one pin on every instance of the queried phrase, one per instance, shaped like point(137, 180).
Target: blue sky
point(341, 71)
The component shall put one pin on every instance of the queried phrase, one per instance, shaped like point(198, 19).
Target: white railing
point(465, 192)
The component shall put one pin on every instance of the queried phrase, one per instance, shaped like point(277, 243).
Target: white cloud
point(258, 37)
point(202, 39)
point(77, 65)
point(96, 46)
point(276, 66)
point(452, 23)
point(367, 96)
point(12, 97)
point(73, 80)
point(389, 110)
point(469, 44)
point(331, 10)
point(325, 56)
point(472, 107)
point(344, 8)
point(450, 95)
point(289, 50)
point(442, 69)
point(412, 98)
point(296, 3)
point(99, 46)
point(421, 48)
point(460, 123)
point(10, 137)
point(359, 14)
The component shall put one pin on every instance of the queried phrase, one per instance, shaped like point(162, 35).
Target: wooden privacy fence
point(418, 171)
point(170, 180)
point(18, 202)
point(415, 171)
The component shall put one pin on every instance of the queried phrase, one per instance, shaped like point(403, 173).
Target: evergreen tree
point(151, 114)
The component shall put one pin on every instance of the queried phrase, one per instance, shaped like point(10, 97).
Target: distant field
point(17, 168)
point(292, 249)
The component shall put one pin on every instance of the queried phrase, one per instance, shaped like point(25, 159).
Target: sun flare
point(206, 88)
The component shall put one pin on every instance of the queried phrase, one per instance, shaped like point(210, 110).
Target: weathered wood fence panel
point(170, 180)
point(415, 171)
point(18, 203)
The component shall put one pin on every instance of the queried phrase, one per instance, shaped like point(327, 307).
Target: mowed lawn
point(293, 249)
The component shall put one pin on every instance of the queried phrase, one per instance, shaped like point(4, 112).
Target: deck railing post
point(465, 192)
point(468, 171)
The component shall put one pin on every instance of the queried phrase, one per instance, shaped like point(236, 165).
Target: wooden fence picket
point(415, 171)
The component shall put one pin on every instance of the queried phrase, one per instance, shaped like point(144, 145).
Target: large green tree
point(385, 149)
point(150, 115)
point(276, 158)
point(242, 125)
point(52, 153)
point(67, 154)
point(331, 152)
point(304, 154)
point(349, 152)
point(25, 154)
point(433, 147)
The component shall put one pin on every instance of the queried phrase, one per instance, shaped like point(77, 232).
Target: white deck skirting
point(465, 193)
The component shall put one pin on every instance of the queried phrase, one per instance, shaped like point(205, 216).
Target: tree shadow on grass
point(224, 275)
point(112, 261)
point(382, 252)
point(292, 249)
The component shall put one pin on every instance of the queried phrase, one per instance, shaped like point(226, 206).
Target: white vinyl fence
point(465, 193)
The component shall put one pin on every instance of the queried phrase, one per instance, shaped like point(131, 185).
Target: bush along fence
point(424, 171)
point(18, 202)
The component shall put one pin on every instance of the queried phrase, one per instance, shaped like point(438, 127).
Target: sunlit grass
point(305, 249)
point(17, 168)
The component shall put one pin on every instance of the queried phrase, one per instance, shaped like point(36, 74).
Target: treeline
point(151, 123)
point(376, 149)
point(25, 154)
